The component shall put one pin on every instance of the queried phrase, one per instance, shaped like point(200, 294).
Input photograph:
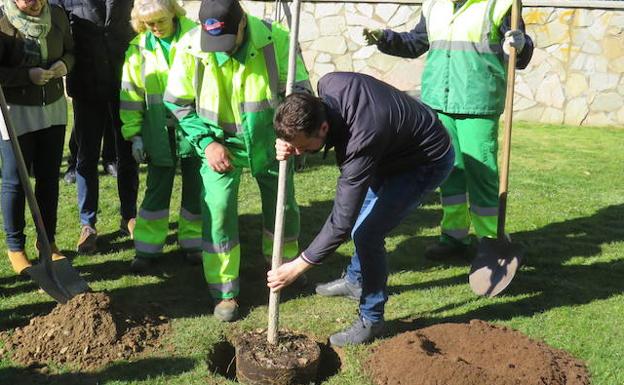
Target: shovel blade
point(64, 285)
point(495, 267)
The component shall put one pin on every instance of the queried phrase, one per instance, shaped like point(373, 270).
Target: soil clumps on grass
point(86, 333)
point(476, 353)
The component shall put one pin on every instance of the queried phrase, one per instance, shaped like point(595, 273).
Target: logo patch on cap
point(214, 27)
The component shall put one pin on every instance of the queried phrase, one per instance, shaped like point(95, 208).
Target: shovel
point(498, 260)
point(278, 236)
point(57, 278)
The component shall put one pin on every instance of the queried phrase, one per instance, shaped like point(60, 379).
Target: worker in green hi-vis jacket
point(148, 124)
point(464, 81)
point(228, 76)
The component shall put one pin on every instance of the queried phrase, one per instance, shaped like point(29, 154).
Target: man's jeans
point(387, 202)
point(91, 118)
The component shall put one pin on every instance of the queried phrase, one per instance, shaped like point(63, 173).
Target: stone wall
point(575, 76)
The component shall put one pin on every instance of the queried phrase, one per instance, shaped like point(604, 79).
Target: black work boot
point(442, 251)
point(140, 265)
point(492, 246)
point(339, 288)
point(360, 332)
point(194, 257)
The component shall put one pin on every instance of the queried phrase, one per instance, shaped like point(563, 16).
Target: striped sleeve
point(132, 94)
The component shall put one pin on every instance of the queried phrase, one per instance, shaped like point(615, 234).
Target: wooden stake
point(511, 78)
point(278, 236)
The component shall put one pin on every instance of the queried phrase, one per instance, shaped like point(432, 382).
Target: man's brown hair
point(300, 112)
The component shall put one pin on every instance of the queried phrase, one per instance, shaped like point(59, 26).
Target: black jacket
point(376, 131)
point(16, 83)
point(101, 31)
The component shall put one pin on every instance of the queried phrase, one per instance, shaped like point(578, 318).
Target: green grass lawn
point(566, 206)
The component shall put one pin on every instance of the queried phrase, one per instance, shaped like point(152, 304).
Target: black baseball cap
point(219, 22)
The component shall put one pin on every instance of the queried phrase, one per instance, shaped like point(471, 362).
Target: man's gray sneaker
point(340, 287)
point(360, 332)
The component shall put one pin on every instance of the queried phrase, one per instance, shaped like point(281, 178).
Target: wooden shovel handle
point(278, 231)
point(504, 171)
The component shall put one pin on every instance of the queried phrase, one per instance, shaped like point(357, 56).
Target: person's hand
point(218, 157)
point(286, 273)
point(59, 68)
point(138, 153)
point(283, 149)
point(514, 38)
point(39, 76)
point(372, 36)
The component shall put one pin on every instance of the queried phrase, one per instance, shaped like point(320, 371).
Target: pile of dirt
point(87, 333)
point(472, 354)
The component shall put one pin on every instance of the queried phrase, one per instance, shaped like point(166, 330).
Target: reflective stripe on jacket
point(144, 80)
point(199, 85)
point(465, 70)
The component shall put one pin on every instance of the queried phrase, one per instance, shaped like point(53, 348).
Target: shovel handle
point(278, 235)
point(508, 117)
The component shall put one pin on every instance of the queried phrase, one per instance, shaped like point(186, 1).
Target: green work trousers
point(220, 247)
point(470, 193)
point(152, 223)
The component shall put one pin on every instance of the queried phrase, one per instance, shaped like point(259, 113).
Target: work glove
point(138, 153)
point(372, 36)
point(514, 38)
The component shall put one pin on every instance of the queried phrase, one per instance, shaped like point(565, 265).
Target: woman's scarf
point(34, 28)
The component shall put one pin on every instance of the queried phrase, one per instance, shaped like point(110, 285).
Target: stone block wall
point(576, 75)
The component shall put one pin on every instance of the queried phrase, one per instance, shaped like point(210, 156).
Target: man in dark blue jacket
point(392, 151)
point(102, 32)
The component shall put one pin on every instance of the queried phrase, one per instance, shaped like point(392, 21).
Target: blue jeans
point(387, 202)
point(43, 152)
point(92, 118)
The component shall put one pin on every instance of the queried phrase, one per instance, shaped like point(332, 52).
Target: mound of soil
point(87, 333)
point(472, 354)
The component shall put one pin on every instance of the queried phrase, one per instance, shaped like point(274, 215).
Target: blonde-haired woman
point(152, 131)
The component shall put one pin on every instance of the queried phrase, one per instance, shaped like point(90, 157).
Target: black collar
point(337, 133)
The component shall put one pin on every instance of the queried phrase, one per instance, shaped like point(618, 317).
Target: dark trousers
point(108, 149)
point(43, 152)
point(91, 118)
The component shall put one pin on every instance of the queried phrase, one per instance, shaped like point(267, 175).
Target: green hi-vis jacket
point(232, 99)
point(142, 111)
point(465, 70)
